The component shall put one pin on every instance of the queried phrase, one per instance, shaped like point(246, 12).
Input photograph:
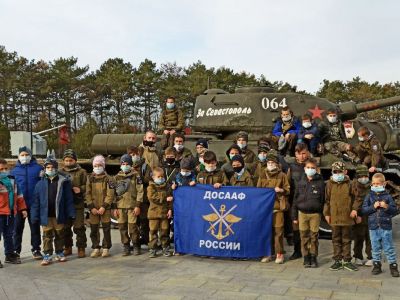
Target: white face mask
point(201, 160)
point(242, 145)
point(135, 159)
point(185, 173)
point(360, 138)
point(126, 168)
point(286, 119)
point(332, 119)
point(98, 170)
point(307, 124)
point(178, 147)
point(24, 159)
point(210, 168)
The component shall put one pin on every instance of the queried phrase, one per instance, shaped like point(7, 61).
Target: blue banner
point(227, 222)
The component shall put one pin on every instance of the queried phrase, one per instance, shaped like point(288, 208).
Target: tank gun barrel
point(351, 109)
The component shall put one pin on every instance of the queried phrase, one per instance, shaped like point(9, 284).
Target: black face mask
point(148, 143)
point(237, 169)
point(170, 160)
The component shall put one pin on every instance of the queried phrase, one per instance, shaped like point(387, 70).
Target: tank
point(219, 115)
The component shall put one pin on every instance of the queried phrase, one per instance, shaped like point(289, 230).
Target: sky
point(301, 42)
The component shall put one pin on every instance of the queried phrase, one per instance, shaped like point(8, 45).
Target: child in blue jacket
point(380, 208)
point(309, 133)
point(52, 207)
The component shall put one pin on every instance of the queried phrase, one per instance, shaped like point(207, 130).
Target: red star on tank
point(316, 112)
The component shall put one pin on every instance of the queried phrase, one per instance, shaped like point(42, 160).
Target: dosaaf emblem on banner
point(226, 222)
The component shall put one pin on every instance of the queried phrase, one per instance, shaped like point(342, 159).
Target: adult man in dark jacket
point(27, 174)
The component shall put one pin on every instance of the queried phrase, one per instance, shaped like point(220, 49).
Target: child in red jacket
point(11, 202)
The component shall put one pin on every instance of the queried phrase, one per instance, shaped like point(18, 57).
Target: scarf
point(5, 180)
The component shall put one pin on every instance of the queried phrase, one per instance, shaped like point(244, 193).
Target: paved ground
point(188, 277)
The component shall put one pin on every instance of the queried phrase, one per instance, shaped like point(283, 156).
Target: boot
point(314, 263)
point(307, 261)
point(126, 251)
point(81, 253)
point(136, 250)
point(297, 246)
point(377, 269)
point(394, 270)
point(67, 251)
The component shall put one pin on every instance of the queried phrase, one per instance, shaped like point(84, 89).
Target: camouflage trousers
point(337, 148)
point(76, 226)
point(159, 226)
point(128, 228)
point(167, 140)
point(309, 228)
point(105, 220)
point(53, 232)
point(341, 240)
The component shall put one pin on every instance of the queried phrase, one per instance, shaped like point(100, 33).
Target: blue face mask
point(378, 189)
point(310, 172)
point(126, 168)
point(170, 105)
point(262, 157)
point(159, 181)
point(51, 173)
point(4, 174)
point(338, 177)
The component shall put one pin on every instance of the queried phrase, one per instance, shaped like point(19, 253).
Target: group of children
point(140, 196)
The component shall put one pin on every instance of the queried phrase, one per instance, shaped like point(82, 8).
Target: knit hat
point(338, 166)
point(126, 158)
point(362, 170)
point(99, 160)
point(233, 146)
point(25, 149)
point(50, 160)
point(70, 153)
point(186, 163)
point(202, 142)
point(242, 134)
point(272, 156)
point(238, 158)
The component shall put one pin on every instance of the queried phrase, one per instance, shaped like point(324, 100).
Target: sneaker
point(307, 261)
point(136, 251)
point(279, 258)
point(60, 257)
point(166, 252)
point(377, 269)
point(81, 253)
point(358, 262)
point(266, 259)
point(17, 257)
point(369, 263)
point(37, 255)
point(295, 255)
point(394, 270)
point(46, 260)
point(11, 259)
point(337, 265)
point(105, 253)
point(126, 251)
point(348, 265)
point(314, 262)
point(95, 253)
point(153, 253)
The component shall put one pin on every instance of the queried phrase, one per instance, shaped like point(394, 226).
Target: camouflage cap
point(70, 153)
point(338, 166)
point(272, 156)
point(362, 170)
